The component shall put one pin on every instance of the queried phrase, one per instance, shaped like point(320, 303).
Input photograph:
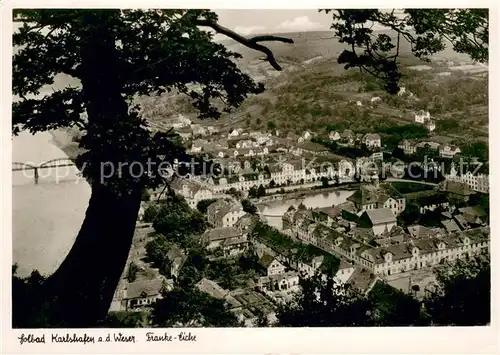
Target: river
point(276, 209)
point(45, 217)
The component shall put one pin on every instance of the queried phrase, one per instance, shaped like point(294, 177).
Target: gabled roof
point(362, 279)
point(212, 288)
point(345, 265)
point(347, 133)
point(476, 211)
point(220, 234)
point(139, 288)
point(462, 222)
point(418, 231)
point(365, 195)
point(371, 137)
point(266, 260)
point(174, 252)
point(450, 225)
point(332, 212)
point(222, 207)
point(381, 215)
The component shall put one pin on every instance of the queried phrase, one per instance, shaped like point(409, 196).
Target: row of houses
point(383, 247)
point(476, 181)
point(424, 118)
point(414, 254)
point(289, 172)
point(246, 304)
point(348, 137)
point(410, 147)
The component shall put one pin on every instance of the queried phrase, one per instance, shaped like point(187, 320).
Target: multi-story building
point(408, 147)
point(372, 140)
point(192, 191)
point(412, 255)
point(380, 220)
point(370, 197)
point(478, 182)
point(422, 116)
point(448, 151)
point(224, 213)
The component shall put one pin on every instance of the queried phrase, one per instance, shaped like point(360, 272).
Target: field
point(314, 92)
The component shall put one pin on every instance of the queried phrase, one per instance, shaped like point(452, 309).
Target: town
point(392, 228)
point(192, 168)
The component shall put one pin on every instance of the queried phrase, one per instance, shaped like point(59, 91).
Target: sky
point(248, 22)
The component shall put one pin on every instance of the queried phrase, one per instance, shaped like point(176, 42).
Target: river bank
point(273, 210)
point(305, 192)
point(47, 216)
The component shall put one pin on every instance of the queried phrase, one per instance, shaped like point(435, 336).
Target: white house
point(407, 146)
point(212, 130)
point(431, 126)
point(234, 133)
point(224, 213)
point(476, 182)
point(198, 130)
point(375, 99)
point(289, 171)
point(334, 136)
point(448, 151)
point(179, 122)
point(372, 140)
point(382, 220)
point(307, 135)
point(344, 273)
point(271, 265)
point(422, 116)
point(192, 191)
point(229, 239)
point(288, 281)
point(309, 269)
point(426, 252)
point(141, 294)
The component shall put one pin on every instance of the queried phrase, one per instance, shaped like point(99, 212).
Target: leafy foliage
point(178, 222)
point(463, 294)
point(427, 31)
point(322, 303)
point(122, 320)
point(132, 272)
point(248, 206)
point(26, 292)
point(191, 308)
point(158, 51)
point(461, 297)
point(202, 206)
point(156, 253)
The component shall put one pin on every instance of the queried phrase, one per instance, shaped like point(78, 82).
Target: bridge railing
point(53, 163)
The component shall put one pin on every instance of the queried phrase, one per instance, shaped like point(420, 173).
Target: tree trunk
point(82, 288)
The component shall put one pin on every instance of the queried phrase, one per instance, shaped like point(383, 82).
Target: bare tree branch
point(248, 42)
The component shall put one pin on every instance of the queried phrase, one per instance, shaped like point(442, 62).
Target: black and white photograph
point(249, 168)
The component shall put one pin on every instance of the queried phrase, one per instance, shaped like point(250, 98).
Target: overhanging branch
point(248, 42)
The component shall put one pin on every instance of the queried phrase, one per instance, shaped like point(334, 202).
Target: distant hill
point(309, 92)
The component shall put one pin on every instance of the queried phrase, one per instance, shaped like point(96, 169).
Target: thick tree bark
point(82, 288)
